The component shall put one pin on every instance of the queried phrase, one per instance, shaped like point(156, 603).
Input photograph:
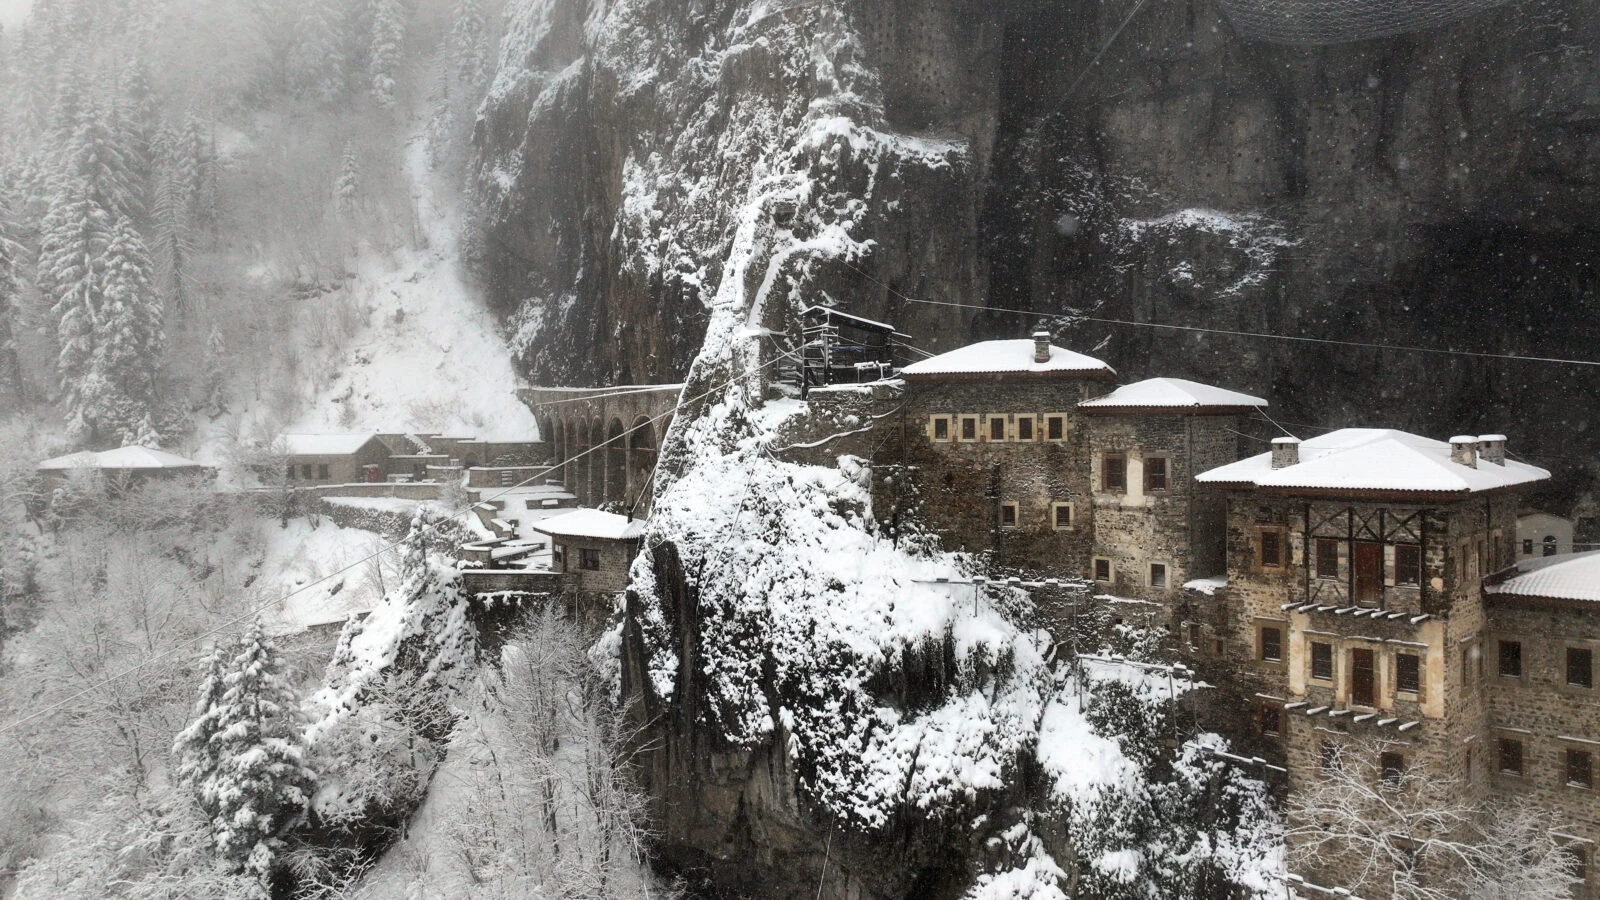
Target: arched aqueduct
point(604, 441)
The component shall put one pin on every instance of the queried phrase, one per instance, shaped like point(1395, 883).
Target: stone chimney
point(1492, 448)
point(1464, 450)
point(1041, 346)
point(1285, 452)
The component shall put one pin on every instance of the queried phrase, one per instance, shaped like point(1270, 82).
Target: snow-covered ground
point(431, 358)
point(296, 557)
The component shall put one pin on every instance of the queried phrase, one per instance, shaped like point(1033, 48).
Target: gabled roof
point(843, 318)
point(122, 458)
point(1569, 576)
point(591, 523)
point(1174, 394)
point(325, 444)
point(1006, 356)
point(1375, 459)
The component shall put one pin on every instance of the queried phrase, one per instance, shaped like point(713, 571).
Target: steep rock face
point(1433, 189)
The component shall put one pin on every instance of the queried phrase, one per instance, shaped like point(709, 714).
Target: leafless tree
point(1383, 830)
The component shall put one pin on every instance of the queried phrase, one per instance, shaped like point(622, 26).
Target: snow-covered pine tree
point(176, 189)
point(215, 367)
point(469, 41)
point(135, 120)
point(72, 241)
point(97, 156)
point(195, 748)
point(383, 53)
point(319, 63)
point(263, 784)
point(11, 254)
point(347, 191)
point(130, 343)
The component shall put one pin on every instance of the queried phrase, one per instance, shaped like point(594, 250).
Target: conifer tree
point(129, 343)
point(347, 192)
point(469, 41)
point(319, 59)
point(11, 254)
point(383, 55)
point(72, 241)
point(175, 199)
point(216, 372)
point(195, 747)
point(261, 780)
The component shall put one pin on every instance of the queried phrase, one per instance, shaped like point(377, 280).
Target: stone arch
point(641, 454)
point(616, 472)
point(597, 463)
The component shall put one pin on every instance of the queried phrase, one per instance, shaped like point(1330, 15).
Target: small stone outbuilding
point(595, 548)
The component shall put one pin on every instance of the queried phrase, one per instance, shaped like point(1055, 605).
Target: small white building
point(1543, 534)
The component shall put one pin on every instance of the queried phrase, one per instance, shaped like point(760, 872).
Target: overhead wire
point(261, 607)
point(1366, 345)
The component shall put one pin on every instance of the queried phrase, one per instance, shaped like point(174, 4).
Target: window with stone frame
point(1329, 757)
point(1061, 516)
point(1391, 768)
point(1579, 870)
point(1055, 428)
point(1328, 557)
point(969, 428)
point(1194, 636)
point(305, 471)
point(589, 559)
point(1269, 718)
point(291, 471)
point(1580, 768)
point(1008, 515)
point(1321, 661)
point(941, 428)
point(1158, 575)
point(1114, 472)
point(1510, 751)
point(1527, 546)
point(997, 429)
point(1155, 474)
point(1272, 548)
point(322, 472)
point(1102, 569)
point(1024, 428)
point(1580, 667)
point(1408, 673)
point(1509, 659)
point(1407, 564)
point(1269, 643)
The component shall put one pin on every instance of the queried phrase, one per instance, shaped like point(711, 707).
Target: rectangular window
point(941, 428)
point(1025, 428)
point(1510, 756)
point(1061, 516)
point(589, 558)
point(1408, 673)
point(1114, 472)
point(322, 472)
point(1327, 558)
point(1194, 636)
point(1580, 667)
point(1328, 757)
point(291, 473)
point(1271, 643)
point(1271, 544)
point(1055, 428)
point(1362, 677)
point(997, 428)
point(1158, 575)
point(1008, 515)
point(1102, 570)
point(1527, 546)
point(1270, 715)
point(1391, 768)
point(1407, 564)
point(1511, 659)
point(305, 471)
point(1580, 769)
point(969, 428)
point(1321, 661)
point(1155, 473)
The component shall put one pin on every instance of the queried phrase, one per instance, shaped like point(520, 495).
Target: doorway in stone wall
point(1367, 566)
point(1362, 682)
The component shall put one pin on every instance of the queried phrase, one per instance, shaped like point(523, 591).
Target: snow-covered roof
point(1005, 356)
point(828, 312)
point(325, 444)
point(591, 523)
point(1172, 393)
point(1568, 576)
point(122, 458)
point(1375, 459)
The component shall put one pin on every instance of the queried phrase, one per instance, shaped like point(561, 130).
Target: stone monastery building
point(1359, 586)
